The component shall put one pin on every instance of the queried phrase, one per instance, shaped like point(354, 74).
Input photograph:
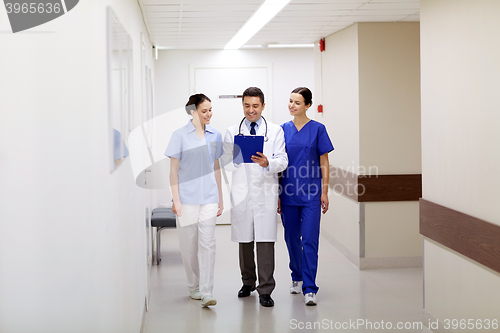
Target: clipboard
point(245, 146)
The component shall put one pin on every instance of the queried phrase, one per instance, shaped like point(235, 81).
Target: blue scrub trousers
point(301, 224)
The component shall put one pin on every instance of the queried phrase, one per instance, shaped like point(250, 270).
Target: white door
point(223, 86)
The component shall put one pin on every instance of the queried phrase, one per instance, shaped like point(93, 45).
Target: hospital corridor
point(205, 166)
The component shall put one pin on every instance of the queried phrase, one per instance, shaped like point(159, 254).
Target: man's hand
point(260, 160)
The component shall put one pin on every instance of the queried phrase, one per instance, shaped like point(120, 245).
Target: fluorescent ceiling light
point(264, 14)
point(260, 46)
point(276, 46)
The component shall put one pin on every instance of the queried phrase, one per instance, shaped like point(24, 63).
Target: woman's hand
point(324, 202)
point(325, 176)
point(279, 206)
point(177, 208)
point(221, 209)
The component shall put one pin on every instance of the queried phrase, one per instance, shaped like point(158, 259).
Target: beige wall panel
point(459, 288)
point(460, 160)
point(460, 105)
point(389, 97)
point(342, 221)
point(339, 81)
point(391, 229)
point(340, 97)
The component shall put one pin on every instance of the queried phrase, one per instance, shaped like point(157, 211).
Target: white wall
point(291, 68)
point(460, 160)
point(72, 235)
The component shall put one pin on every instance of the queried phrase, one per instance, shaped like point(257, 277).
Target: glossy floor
point(348, 299)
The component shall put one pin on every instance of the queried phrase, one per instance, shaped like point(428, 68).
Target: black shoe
point(266, 300)
point(245, 291)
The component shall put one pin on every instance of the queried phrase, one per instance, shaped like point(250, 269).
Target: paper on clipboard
point(189, 215)
point(245, 146)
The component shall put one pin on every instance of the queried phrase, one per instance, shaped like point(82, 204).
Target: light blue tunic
point(197, 185)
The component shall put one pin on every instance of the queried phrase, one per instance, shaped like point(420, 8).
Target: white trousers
point(197, 245)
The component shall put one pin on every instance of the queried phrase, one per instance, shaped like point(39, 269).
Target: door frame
point(269, 79)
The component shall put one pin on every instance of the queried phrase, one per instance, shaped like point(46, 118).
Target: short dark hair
point(194, 101)
point(306, 93)
point(253, 92)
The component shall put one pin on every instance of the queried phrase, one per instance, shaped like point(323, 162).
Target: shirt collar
point(191, 128)
point(259, 122)
point(210, 129)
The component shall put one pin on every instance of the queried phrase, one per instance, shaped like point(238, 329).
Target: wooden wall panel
point(389, 188)
point(376, 188)
point(474, 238)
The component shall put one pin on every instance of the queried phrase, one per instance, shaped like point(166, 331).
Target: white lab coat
point(254, 190)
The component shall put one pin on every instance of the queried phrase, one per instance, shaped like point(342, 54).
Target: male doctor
point(254, 196)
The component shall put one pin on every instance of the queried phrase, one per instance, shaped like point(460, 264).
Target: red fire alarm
point(322, 45)
point(320, 108)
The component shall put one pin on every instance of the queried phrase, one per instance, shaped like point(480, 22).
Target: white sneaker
point(296, 287)
point(310, 299)
point(195, 294)
point(208, 301)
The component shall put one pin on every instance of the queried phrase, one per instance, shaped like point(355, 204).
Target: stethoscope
point(265, 135)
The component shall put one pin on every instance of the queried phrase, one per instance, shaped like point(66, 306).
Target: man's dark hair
point(253, 92)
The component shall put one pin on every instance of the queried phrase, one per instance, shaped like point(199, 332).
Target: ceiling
point(210, 24)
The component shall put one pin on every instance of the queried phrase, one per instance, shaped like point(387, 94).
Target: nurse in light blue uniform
point(304, 192)
point(195, 181)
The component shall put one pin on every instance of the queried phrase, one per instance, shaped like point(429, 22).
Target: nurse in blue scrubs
point(304, 192)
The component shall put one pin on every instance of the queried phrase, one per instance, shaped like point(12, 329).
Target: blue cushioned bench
point(161, 218)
